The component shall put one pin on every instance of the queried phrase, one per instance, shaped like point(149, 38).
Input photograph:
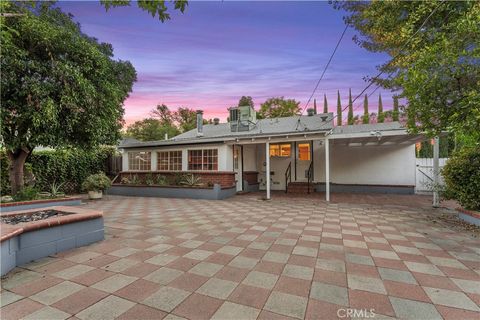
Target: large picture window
point(206, 159)
point(169, 160)
point(139, 161)
point(280, 150)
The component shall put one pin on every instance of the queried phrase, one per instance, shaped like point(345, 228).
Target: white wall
point(381, 165)
point(250, 158)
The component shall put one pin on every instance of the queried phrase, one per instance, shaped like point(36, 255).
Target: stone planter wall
point(25, 242)
point(214, 193)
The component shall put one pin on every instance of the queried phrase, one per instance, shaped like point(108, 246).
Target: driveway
point(250, 259)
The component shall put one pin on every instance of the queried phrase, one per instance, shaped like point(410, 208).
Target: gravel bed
point(36, 216)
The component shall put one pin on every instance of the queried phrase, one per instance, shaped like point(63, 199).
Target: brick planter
point(42, 203)
point(210, 193)
point(225, 179)
point(28, 241)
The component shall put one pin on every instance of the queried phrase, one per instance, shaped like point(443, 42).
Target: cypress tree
point(339, 109)
point(350, 108)
point(366, 116)
point(381, 115)
point(325, 104)
point(315, 106)
point(395, 113)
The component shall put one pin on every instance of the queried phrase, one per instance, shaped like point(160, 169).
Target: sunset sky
point(215, 52)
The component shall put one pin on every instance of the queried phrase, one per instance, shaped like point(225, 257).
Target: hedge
point(69, 167)
point(462, 178)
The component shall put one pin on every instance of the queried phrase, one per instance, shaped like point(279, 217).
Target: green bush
point(462, 178)
point(96, 182)
point(66, 167)
point(26, 194)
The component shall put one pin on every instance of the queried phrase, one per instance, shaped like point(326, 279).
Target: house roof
point(264, 127)
point(269, 127)
point(363, 128)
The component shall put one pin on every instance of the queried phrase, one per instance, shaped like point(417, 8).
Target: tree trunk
point(17, 162)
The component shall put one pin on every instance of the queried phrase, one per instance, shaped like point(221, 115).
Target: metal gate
point(424, 174)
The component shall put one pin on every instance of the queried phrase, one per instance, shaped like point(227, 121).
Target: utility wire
point(323, 73)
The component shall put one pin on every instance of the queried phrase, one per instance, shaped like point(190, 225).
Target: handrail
point(310, 175)
point(288, 176)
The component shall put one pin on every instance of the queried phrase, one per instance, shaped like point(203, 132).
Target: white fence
point(424, 174)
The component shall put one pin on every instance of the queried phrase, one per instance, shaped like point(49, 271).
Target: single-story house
point(296, 154)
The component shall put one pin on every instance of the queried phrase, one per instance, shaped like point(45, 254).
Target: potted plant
point(95, 185)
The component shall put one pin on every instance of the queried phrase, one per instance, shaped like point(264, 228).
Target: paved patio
point(249, 259)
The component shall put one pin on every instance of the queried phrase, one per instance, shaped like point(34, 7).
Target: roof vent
point(324, 118)
point(216, 121)
point(310, 112)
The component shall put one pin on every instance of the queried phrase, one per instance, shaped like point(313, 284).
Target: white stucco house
point(295, 154)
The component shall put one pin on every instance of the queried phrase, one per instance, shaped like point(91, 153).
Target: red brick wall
point(251, 177)
point(223, 178)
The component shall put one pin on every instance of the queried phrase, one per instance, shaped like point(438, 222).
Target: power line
point(323, 73)
point(326, 67)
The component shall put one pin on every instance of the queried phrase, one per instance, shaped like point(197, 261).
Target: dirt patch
point(35, 216)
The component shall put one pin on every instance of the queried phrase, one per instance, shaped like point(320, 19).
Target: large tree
point(150, 129)
point(434, 53)
point(60, 87)
point(350, 108)
point(339, 109)
point(279, 107)
point(246, 101)
point(154, 7)
point(325, 103)
point(366, 115)
point(381, 114)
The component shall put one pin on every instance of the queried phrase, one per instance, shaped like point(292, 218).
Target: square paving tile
point(80, 300)
point(287, 304)
point(329, 293)
point(250, 296)
point(206, 269)
point(114, 283)
point(233, 311)
point(166, 298)
point(260, 279)
point(106, 309)
point(217, 288)
point(451, 299)
point(48, 313)
point(299, 272)
point(366, 284)
point(243, 262)
point(163, 275)
point(409, 309)
point(198, 306)
point(397, 275)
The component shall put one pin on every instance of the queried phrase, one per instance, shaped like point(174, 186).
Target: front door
point(237, 166)
point(303, 158)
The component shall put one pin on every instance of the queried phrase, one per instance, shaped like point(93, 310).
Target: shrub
point(96, 182)
point(149, 180)
point(161, 180)
point(462, 178)
point(26, 194)
point(191, 180)
point(69, 167)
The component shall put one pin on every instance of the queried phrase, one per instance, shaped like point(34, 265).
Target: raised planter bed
point(469, 216)
point(42, 203)
point(211, 193)
point(29, 235)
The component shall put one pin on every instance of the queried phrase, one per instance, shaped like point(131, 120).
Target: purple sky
point(215, 52)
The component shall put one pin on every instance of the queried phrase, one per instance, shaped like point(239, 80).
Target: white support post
point(153, 161)
point(267, 168)
point(327, 170)
point(436, 154)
